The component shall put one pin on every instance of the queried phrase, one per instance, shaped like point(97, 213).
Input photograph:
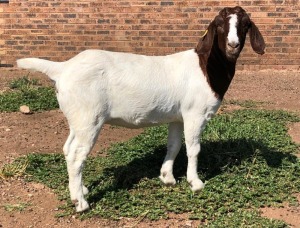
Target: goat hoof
point(196, 185)
point(167, 179)
point(81, 206)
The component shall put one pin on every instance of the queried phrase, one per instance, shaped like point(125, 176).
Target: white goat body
point(127, 89)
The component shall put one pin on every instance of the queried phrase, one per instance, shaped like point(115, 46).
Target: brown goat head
point(228, 30)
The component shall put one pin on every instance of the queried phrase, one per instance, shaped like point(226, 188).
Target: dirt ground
point(46, 132)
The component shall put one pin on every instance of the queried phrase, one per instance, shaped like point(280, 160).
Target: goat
point(184, 89)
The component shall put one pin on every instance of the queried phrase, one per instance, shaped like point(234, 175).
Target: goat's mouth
point(232, 50)
point(232, 54)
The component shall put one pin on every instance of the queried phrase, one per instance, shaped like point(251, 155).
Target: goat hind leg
point(174, 145)
point(66, 150)
point(79, 149)
point(68, 143)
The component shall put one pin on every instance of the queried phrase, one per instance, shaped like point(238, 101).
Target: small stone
point(189, 223)
point(25, 109)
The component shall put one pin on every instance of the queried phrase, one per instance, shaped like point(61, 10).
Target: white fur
point(97, 87)
point(232, 34)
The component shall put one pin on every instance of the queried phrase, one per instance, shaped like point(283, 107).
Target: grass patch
point(16, 207)
point(244, 103)
point(246, 160)
point(23, 83)
point(15, 169)
point(26, 91)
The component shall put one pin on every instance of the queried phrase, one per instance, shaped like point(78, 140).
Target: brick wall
point(59, 29)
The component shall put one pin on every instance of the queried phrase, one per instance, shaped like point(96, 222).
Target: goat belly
point(144, 118)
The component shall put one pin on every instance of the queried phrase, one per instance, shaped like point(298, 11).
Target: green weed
point(16, 207)
point(246, 161)
point(15, 169)
point(23, 83)
point(25, 91)
point(244, 103)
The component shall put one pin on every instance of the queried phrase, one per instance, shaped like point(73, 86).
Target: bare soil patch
point(46, 132)
point(277, 90)
point(289, 214)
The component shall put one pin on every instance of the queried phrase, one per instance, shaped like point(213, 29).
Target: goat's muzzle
point(232, 50)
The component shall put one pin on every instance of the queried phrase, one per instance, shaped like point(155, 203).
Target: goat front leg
point(192, 130)
point(174, 145)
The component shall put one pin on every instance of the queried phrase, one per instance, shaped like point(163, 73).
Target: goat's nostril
point(234, 45)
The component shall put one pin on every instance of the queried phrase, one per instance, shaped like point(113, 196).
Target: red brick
point(59, 30)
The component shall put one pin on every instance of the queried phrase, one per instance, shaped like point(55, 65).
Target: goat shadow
point(214, 156)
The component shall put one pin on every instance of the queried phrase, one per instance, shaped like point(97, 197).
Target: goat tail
point(52, 69)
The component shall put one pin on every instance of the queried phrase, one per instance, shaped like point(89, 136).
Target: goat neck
point(218, 69)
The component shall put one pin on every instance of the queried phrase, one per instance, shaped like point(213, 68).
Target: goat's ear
point(205, 44)
point(256, 39)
